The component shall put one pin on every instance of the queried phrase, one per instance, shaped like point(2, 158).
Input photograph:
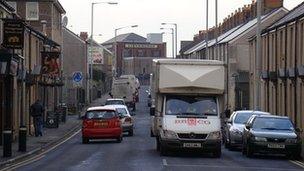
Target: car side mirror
point(299, 130)
point(152, 111)
point(247, 126)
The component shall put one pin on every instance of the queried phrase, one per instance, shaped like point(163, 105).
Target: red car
point(101, 123)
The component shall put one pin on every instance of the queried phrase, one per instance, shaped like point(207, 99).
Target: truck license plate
point(192, 145)
point(280, 146)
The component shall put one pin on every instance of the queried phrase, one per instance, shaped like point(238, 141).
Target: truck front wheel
point(218, 152)
point(163, 151)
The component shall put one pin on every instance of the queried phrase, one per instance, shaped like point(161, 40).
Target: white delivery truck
point(135, 84)
point(188, 101)
point(122, 88)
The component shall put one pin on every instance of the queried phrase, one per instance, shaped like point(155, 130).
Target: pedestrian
point(36, 112)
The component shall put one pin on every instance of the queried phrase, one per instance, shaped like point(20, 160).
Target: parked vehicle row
point(257, 132)
point(107, 122)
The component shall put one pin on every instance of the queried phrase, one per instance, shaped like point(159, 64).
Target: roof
point(233, 33)
point(117, 106)
point(101, 108)
point(115, 99)
point(252, 111)
point(294, 14)
point(7, 6)
point(188, 61)
point(129, 37)
point(273, 116)
point(59, 7)
point(99, 45)
point(73, 34)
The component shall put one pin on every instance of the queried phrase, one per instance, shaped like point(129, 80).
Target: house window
point(126, 53)
point(141, 53)
point(32, 11)
point(13, 4)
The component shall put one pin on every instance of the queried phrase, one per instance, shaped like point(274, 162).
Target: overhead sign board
point(13, 34)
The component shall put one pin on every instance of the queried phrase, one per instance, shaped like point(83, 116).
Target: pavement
point(51, 136)
point(139, 153)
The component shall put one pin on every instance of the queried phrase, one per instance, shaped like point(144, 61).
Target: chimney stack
point(84, 36)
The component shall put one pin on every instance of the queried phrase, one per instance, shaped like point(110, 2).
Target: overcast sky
point(148, 14)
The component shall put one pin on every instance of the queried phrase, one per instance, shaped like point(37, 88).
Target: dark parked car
point(233, 129)
point(271, 135)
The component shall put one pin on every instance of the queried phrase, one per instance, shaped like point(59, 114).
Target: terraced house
point(282, 75)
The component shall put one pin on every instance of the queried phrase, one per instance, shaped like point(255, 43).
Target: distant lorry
point(135, 84)
point(122, 88)
point(188, 99)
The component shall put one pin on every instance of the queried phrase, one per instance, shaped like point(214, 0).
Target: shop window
point(126, 53)
point(141, 53)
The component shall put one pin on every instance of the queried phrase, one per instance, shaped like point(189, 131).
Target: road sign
point(77, 79)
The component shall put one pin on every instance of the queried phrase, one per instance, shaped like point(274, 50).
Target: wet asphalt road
point(138, 153)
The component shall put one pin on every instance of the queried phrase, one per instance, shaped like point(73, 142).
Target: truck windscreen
point(189, 105)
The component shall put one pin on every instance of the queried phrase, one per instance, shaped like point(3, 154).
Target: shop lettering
point(193, 122)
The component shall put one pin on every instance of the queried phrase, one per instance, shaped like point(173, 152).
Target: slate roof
point(294, 14)
point(129, 37)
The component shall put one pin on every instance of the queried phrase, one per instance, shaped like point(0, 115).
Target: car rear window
point(100, 114)
point(242, 118)
point(114, 102)
point(122, 111)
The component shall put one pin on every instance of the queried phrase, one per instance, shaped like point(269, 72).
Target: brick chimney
point(84, 36)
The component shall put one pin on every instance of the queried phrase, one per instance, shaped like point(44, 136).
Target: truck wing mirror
point(152, 111)
point(247, 126)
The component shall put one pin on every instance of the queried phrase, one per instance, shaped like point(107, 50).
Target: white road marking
point(39, 156)
point(298, 163)
point(231, 167)
point(165, 162)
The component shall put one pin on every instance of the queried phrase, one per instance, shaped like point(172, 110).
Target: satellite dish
point(65, 21)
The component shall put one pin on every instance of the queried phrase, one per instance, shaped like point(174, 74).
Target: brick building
point(282, 85)
point(45, 17)
point(232, 47)
point(133, 45)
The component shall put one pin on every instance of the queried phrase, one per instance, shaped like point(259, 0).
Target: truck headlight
point(168, 134)
point(260, 139)
point(214, 135)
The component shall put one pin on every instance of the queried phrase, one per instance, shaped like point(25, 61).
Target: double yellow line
point(39, 156)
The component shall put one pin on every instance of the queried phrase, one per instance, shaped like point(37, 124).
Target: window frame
point(28, 18)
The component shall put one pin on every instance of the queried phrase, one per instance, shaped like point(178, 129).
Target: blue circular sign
point(77, 76)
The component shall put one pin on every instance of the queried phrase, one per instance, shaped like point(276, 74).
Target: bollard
point(7, 143)
point(22, 138)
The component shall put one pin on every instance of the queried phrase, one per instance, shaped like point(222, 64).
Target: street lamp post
point(115, 48)
point(172, 32)
point(175, 26)
point(91, 42)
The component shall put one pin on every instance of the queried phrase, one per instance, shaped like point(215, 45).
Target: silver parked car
point(233, 131)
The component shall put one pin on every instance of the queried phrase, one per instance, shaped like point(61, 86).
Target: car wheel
point(85, 140)
point(119, 140)
point(131, 133)
point(249, 151)
point(244, 149)
point(217, 153)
